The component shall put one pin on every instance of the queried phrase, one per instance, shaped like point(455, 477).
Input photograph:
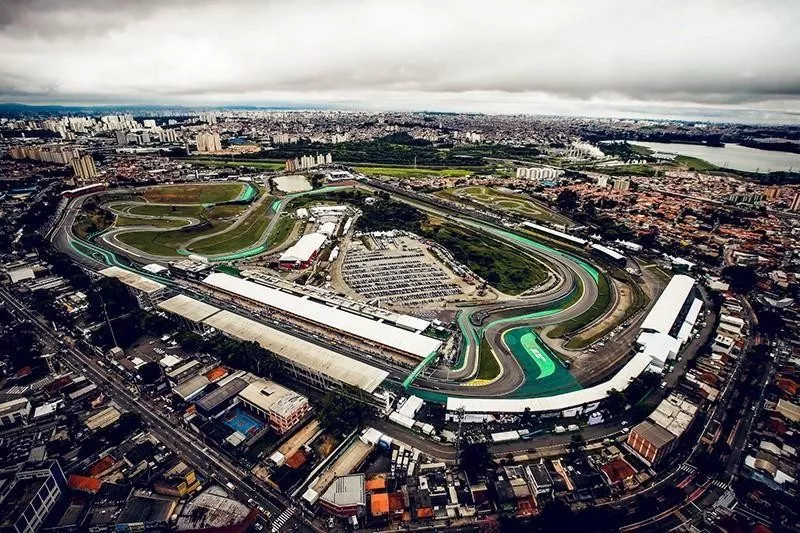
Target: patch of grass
point(155, 222)
point(492, 198)
point(488, 367)
point(225, 211)
point(694, 163)
point(260, 163)
point(411, 172)
point(189, 211)
point(599, 307)
point(196, 193)
point(248, 232)
point(638, 301)
point(505, 268)
point(166, 243)
point(281, 231)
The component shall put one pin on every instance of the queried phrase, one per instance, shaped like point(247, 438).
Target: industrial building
point(303, 252)
point(283, 408)
point(216, 401)
point(654, 438)
point(146, 291)
point(337, 321)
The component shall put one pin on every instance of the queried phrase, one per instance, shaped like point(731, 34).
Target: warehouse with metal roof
point(313, 364)
point(559, 402)
point(367, 330)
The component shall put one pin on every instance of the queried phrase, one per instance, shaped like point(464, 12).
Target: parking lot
point(397, 269)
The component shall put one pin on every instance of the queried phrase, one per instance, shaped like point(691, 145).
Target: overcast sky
point(716, 59)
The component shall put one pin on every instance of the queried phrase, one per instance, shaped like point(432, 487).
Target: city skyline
point(714, 61)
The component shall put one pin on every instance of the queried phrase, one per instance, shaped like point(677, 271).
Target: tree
point(475, 458)
point(567, 200)
point(342, 413)
point(150, 372)
point(742, 278)
point(615, 402)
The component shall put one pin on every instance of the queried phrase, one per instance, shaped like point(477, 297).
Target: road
point(205, 459)
point(497, 319)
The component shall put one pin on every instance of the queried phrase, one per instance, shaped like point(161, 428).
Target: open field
point(488, 367)
point(411, 172)
point(248, 232)
point(256, 163)
point(693, 163)
point(189, 211)
point(201, 193)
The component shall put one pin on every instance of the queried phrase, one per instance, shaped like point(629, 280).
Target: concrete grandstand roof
point(188, 308)
point(559, 402)
point(362, 327)
point(315, 358)
point(132, 279)
point(665, 312)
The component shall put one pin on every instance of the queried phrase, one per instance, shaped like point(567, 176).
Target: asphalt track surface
point(547, 308)
point(573, 294)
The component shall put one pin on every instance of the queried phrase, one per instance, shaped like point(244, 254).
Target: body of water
point(734, 156)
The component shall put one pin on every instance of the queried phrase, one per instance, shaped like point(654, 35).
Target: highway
point(207, 460)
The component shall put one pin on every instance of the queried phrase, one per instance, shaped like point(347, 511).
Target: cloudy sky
point(715, 59)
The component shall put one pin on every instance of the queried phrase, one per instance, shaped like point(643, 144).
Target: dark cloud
point(711, 52)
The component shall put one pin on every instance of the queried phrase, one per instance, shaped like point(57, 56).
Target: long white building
point(669, 323)
point(367, 330)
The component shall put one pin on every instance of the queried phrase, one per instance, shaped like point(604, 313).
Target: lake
point(734, 156)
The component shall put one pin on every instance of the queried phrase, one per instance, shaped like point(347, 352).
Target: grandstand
point(336, 320)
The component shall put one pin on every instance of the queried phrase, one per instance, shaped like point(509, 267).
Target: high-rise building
point(622, 184)
point(122, 138)
point(84, 168)
point(795, 205)
point(208, 142)
point(28, 498)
